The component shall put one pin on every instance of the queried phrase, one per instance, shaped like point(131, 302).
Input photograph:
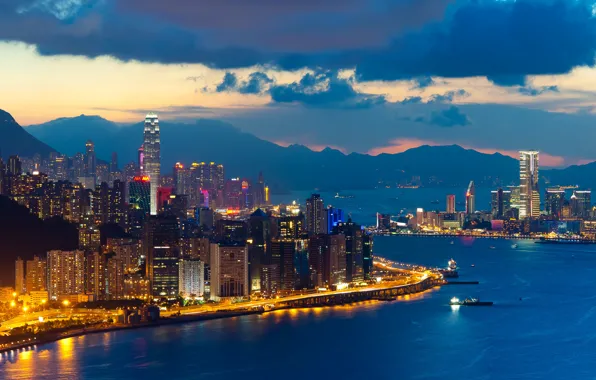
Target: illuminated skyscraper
point(450, 204)
point(66, 273)
point(528, 183)
point(553, 204)
point(581, 203)
point(315, 215)
point(229, 270)
point(471, 198)
point(152, 157)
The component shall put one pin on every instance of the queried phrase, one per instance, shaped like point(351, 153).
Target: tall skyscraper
point(582, 204)
point(90, 159)
point(450, 204)
point(14, 165)
point(139, 193)
point(19, 279)
point(152, 157)
point(333, 216)
point(528, 183)
point(315, 209)
point(114, 163)
point(161, 247)
point(500, 202)
point(66, 273)
point(471, 199)
point(554, 201)
point(36, 278)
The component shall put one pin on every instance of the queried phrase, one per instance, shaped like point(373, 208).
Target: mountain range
point(295, 167)
point(15, 140)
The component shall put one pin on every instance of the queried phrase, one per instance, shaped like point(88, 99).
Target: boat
point(473, 265)
point(435, 202)
point(451, 270)
point(452, 242)
point(514, 246)
point(469, 302)
point(338, 195)
point(563, 241)
point(492, 247)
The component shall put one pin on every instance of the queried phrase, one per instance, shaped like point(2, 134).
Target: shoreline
point(183, 318)
point(496, 237)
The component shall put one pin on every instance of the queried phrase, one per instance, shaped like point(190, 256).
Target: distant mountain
point(295, 167)
point(15, 140)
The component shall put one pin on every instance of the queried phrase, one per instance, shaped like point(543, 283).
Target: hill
point(15, 140)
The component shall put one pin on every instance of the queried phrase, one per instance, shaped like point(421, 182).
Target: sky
point(375, 76)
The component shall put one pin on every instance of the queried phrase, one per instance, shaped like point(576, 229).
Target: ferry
point(544, 240)
point(469, 302)
point(435, 202)
point(338, 195)
point(514, 246)
point(451, 270)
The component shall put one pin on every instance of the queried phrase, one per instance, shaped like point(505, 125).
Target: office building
point(259, 236)
point(528, 183)
point(337, 259)
point(90, 160)
point(66, 273)
point(152, 157)
point(191, 277)
point(581, 203)
point(333, 216)
point(354, 263)
point(139, 194)
point(19, 278)
point(315, 216)
point(471, 199)
point(161, 247)
point(290, 227)
point(554, 202)
point(229, 270)
point(367, 256)
point(500, 203)
point(450, 204)
point(36, 278)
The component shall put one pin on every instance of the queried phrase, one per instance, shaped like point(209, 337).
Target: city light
point(65, 303)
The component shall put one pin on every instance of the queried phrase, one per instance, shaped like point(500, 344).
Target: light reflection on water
point(416, 336)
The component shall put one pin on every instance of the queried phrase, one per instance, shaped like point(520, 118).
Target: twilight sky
point(358, 75)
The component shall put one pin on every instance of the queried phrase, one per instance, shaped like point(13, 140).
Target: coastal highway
point(31, 318)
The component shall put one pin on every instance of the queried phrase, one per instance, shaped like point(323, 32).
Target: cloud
point(450, 117)
point(536, 91)
point(229, 83)
point(389, 40)
point(412, 100)
point(421, 83)
point(449, 96)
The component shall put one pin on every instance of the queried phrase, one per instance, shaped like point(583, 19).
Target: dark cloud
point(451, 117)
point(449, 96)
point(412, 100)
point(422, 82)
point(324, 89)
point(229, 83)
point(536, 91)
point(387, 40)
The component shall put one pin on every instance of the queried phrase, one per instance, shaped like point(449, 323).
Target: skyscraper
point(582, 204)
point(114, 163)
point(315, 215)
point(500, 202)
point(528, 183)
point(36, 279)
point(161, 247)
point(471, 199)
point(19, 281)
point(554, 201)
point(229, 270)
point(152, 157)
point(90, 160)
point(191, 277)
point(66, 273)
point(450, 204)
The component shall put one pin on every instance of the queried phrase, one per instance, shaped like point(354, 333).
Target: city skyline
point(313, 87)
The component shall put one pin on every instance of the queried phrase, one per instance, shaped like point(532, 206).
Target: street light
point(13, 304)
point(14, 294)
point(65, 302)
point(25, 308)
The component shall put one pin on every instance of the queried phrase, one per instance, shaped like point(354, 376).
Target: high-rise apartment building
point(19, 278)
point(315, 215)
point(528, 183)
point(191, 277)
point(36, 278)
point(152, 157)
point(450, 204)
point(66, 273)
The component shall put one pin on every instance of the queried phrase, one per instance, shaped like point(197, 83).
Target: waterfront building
point(315, 209)
point(500, 202)
point(136, 286)
point(114, 277)
point(161, 248)
point(19, 280)
point(36, 278)
point(554, 202)
point(152, 157)
point(581, 203)
point(259, 236)
point(191, 273)
point(282, 258)
point(450, 204)
point(35, 298)
point(367, 256)
point(229, 270)
point(528, 181)
point(95, 275)
point(354, 250)
point(318, 259)
point(471, 199)
point(337, 259)
point(66, 273)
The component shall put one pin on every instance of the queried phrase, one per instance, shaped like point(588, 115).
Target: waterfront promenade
point(399, 279)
